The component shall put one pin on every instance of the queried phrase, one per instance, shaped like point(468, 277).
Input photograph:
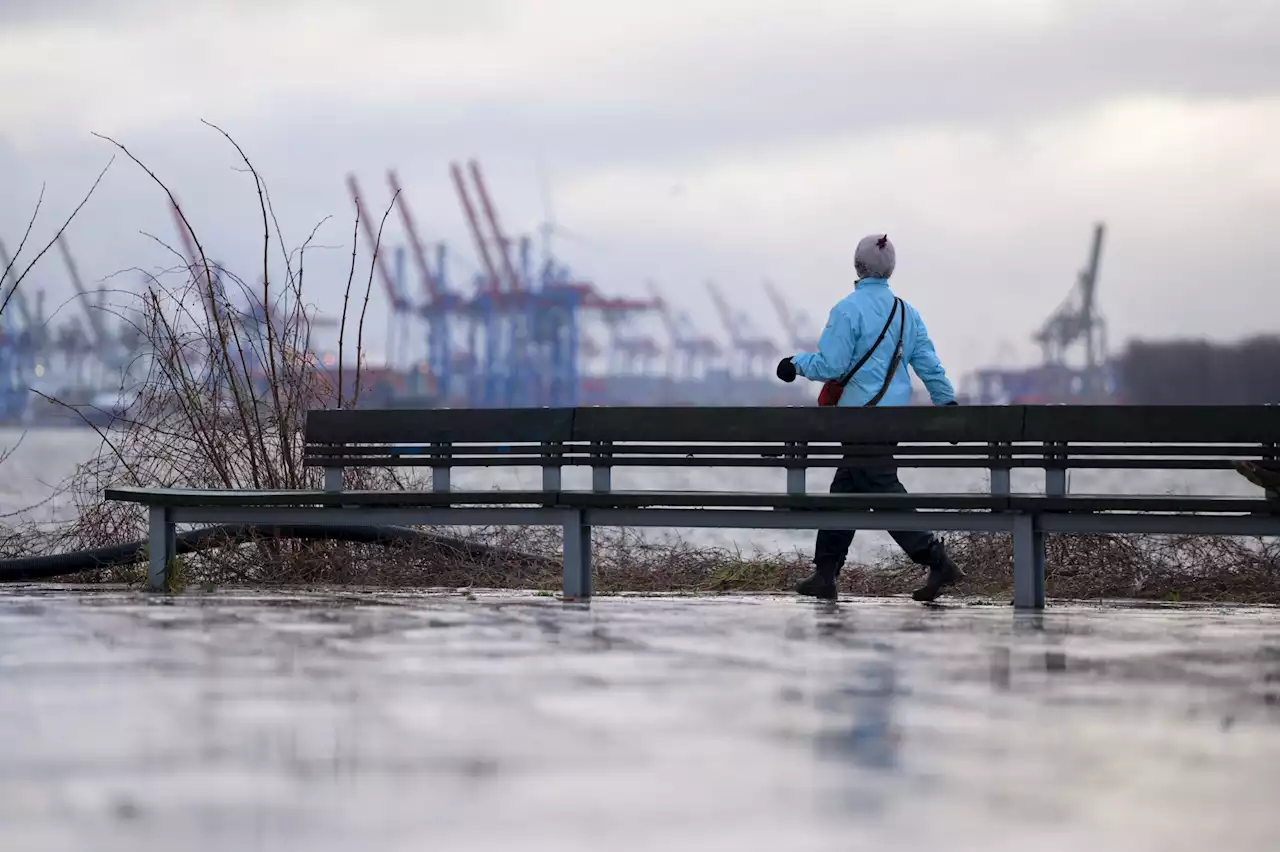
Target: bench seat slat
point(1141, 503)
point(692, 499)
point(900, 502)
point(852, 502)
point(178, 497)
point(188, 498)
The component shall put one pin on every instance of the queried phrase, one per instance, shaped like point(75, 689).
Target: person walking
point(878, 332)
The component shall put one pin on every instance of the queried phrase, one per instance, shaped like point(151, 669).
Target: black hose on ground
point(27, 568)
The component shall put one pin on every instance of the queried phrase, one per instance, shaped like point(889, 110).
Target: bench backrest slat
point(1218, 424)
point(1001, 424)
point(409, 426)
point(989, 423)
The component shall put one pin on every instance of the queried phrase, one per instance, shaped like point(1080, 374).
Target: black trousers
point(832, 546)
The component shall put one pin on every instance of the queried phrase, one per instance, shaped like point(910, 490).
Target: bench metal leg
point(162, 548)
point(577, 558)
point(1028, 563)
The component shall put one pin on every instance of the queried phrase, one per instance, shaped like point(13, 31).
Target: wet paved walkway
point(246, 721)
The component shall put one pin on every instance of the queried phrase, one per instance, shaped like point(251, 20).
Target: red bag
point(830, 393)
point(832, 389)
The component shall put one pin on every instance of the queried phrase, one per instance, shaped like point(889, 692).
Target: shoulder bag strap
point(897, 356)
point(858, 366)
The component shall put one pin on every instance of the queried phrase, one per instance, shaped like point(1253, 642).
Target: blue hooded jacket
point(852, 328)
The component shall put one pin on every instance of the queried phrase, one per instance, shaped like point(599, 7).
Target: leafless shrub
point(220, 392)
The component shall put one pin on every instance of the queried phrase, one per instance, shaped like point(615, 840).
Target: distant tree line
point(1198, 372)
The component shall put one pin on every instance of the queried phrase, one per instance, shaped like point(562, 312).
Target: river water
point(494, 721)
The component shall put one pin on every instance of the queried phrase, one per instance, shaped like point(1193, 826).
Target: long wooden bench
point(1053, 439)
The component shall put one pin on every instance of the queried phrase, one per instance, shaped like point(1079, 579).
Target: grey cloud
point(57, 13)
point(437, 15)
point(691, 101)
point(700, 91)
point(834, 81)
point(699, 95)
point(683, 105)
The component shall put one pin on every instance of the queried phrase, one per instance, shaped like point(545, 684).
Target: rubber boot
point(942, 573)
point(820, 584)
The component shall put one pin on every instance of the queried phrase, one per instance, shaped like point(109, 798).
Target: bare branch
point(90, 424)
point(346, 298)
point(273, 379)
point(377, 245)
point(31, 223)
point(66, 224)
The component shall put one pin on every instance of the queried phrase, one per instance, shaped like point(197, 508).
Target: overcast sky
point(686, 141)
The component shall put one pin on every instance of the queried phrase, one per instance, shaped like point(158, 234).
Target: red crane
point(192, 260)
point(615, 310)
point(790, 324)
point(191, 255)
point(399, 302)
point(194, 265)
point(493, 285)
point(429, 280)
point(513, 280)
point(756, 351)
point(694, 348)
point(102, 338)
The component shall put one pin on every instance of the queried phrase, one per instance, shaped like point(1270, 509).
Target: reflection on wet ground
point(438, 721)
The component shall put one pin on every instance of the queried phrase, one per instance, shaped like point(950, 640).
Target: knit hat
point(874, 257)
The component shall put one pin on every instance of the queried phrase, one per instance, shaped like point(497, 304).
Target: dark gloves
point(786, 370)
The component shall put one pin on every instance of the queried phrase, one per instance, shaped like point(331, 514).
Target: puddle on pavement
point(403, 721)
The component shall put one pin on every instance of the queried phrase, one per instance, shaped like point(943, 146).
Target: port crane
point(1073, 340)
point(755, 351)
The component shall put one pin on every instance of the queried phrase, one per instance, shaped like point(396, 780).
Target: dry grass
point(1092, 567)
point(1146, 567)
